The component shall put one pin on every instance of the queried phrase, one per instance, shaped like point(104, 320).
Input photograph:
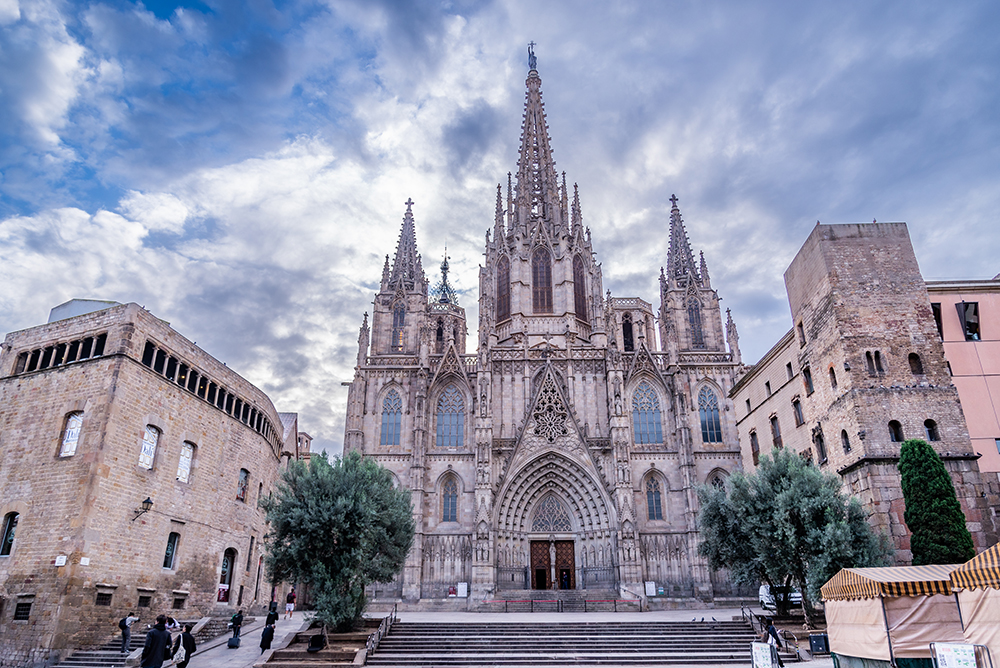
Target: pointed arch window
point(654, 506)
point(449, 501)
point(551, 516)
point(439, 337)
point(71, 434)
point(541, 281)
point(150, 439)
point(392, 415)
point(708, 408)
point(628, 338)
point(694, 322)
point(503, 289)
point(647, 425)
point(398, 320)
point(579, 289)
point(450, 418)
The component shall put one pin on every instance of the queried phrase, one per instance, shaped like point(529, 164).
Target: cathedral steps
point(550, 644)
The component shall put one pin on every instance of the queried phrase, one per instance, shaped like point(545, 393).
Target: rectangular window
point(802, 334)
point(103, 598)
point(148, 453)
point(807, 378)
point(775, 431)
point(179, 603)
point(71, 434)
point(797, 410)
point(170, 555)
point(22, 611)
point(998, 444)
point(968, 317)
point(754, 448)
point(767, 388)
point(145, 601)
point(184, 464)
point(749, 408)
point(936, 311)
point(250, 553)
point(788, 370)
point(241, 488)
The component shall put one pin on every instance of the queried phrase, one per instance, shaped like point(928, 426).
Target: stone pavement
point(215, 653)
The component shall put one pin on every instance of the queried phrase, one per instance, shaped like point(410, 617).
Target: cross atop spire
point(406, 265)
point(680, 259)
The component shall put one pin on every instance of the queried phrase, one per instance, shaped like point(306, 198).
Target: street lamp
point(146, 505)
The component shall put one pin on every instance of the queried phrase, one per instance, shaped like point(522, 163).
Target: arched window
point(647, 427)
point(541, 282)
point(916, 366)
point(150, 439)
point(439, 338)
point(654, 506)
point(895, 431)
point(185, 461)
point(579, 288)
point(694, 322)
point(931, 429)
point(170, 555)
point(71, 434)
point(503, 289)
point(628, 340)
point(398, 320)
point(878, 362)
point(550, 515)
point(845, 441)
point(833, 379)
point(449, 501)
point(7, 537)
point(450, 418)
point(717, 480)
point(754, 448)
point(392, 414)
point(708, 408)
point(820, 442)
point(870, 363)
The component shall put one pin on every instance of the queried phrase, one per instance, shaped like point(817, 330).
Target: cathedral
point(566, 451)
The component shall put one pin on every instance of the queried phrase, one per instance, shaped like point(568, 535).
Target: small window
point(449, 499)
point(845, 441)
point(71, 434)
point(802, 334)
point(628, 340)
point(150, 439)
point(931, 429)
point(767, 388)
point(870, 363)
point(503, 289)
point(788, 371)
point(833, 379)
point(797, 411)
point(936, 312)
point(22, 611)
point(749, 407)
point(820, 445)
point(968, 317)
point(997, 441)
point(775, 431)
point(103, 598)
point(7, 537)
point(895, 431)
point(243, 487)
point(916, 366)
point(250, 553)
point(145, 601)
point(579, 289)
point(754, 448)
point(170, 555)
point(717, 481)
point(398, 331)
point(654, 507)
point(178, 603)
point(184, 463)
point(807, 378)
point(879, 368)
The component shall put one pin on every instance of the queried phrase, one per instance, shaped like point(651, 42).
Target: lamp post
point(146, 505)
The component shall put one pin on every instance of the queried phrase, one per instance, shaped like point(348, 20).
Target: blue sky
point(240, 168)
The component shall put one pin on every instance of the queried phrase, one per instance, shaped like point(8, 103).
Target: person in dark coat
point(266, 637)
point(272, 618)
point(157, 647)
point(185, 640)
point(237, 623)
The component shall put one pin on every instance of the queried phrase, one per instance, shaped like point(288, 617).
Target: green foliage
point(933, 514)
point(788, 523)
point(337, 527)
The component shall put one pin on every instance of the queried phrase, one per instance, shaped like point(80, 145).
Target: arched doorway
point(226, 575)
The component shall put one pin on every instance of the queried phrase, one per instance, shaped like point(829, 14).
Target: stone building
point(862, 369)
point(102, 408)
point(565, 452)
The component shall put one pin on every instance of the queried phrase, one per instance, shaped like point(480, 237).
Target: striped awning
point(851, 583)
point(982, 571)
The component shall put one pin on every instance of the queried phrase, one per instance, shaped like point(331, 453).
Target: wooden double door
point(553, 564)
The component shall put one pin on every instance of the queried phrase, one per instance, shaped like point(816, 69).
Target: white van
point(766, 597)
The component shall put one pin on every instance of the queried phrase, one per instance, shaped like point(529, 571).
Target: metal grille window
point(178, 603)
point(22, 611)
point(71, 434)
point(184, 463)
point(103, 598)
point(171, 553)
point(150, 439)
point(392, 415)
point(579, 289)
point(653, 505)
point(449, 503)
point(647, 425)
point(541, 282)
point(503, 289)
point(145, 601)
point(708, 408)
point(450, 418)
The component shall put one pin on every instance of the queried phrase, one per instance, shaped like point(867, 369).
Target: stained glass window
point(647, 427)
point(184, 463)
point(392, 414)
point(71, 434)
point(503, 289)
point(708, 408)
point(398, 319)
point(541, 282)
point(150, 438)
point(579, 288)
point(694, 321)
point(653, 504)
point(449, 509)
point(450, 418)
point(551, 516)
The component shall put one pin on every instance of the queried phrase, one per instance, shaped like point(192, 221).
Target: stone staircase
point(558, 600)
point(556, 644)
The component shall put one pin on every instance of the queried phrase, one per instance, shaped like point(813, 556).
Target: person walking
point(774, 640)
point(272, 618)
point(184, 647)
point(157, 647)
point(126, 626)
point(290, 604)
point(266, 637)
point(237, 623)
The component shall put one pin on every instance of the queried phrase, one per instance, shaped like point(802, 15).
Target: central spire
point(680, 259)
point(406, 266)
point(537, 183)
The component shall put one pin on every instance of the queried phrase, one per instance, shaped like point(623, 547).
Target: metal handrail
point(383, 629)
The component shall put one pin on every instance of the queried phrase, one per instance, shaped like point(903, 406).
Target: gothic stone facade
point(862, 369)
point(97, 413)
point(565, 452)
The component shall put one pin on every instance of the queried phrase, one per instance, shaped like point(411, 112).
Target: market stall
point(977, 583)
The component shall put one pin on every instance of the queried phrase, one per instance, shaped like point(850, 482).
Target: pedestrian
point(272, 618)
point(266, 637)
point(172, 624)
point(156, 650)
point(126, 626)
point(184, 647)
point(237, 623)
point(290, 604)
point(773, 639)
